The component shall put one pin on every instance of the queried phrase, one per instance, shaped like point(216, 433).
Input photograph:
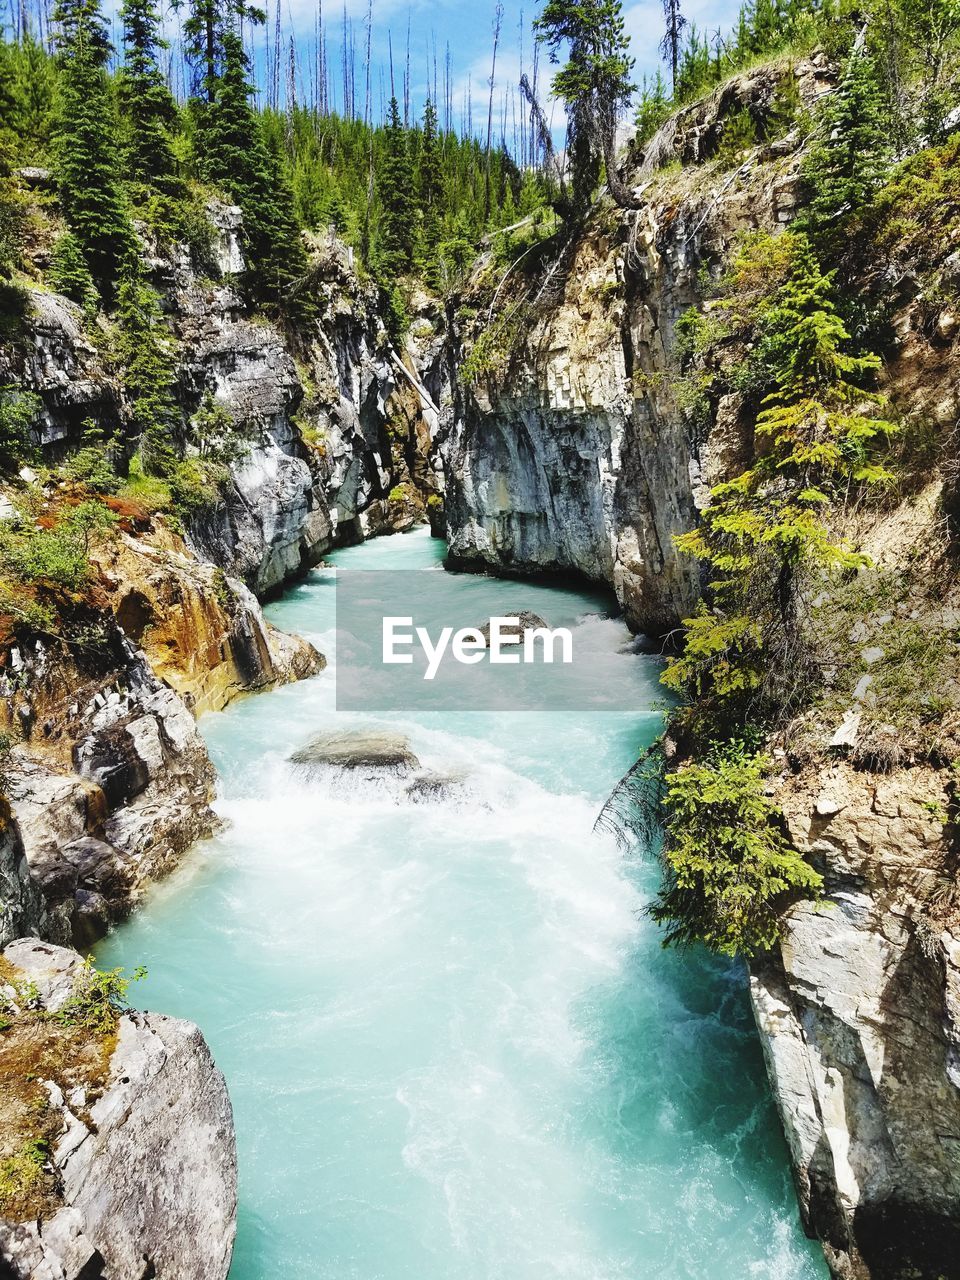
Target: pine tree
point(595, 87)
point(851, 157)
point(145, 352)
point(430, 193)
point(235, 156)
point(203, 45)
point(69, 273)
point(762, 531)
point(147, 102)
point(396, 199)
point(87, 162)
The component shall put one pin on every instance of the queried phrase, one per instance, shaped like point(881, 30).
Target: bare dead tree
point(369, 24)
point(497, 23)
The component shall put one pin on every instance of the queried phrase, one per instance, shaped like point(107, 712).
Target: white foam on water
point(455, 1047)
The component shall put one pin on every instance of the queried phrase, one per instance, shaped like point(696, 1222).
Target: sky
point(468, 27)
point(465, 25)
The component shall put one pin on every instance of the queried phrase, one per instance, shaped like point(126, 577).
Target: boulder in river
point(528, 622)
point(429, 786)
point(358, 749)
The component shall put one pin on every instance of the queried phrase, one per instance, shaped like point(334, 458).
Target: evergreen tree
point(87, 167)
point(850, 159)
point(762, 532)
point(69, 273)
point(234, 155)
point(594, 84)
point(203, 45)
point(145, 352)
point(11, 211)
point(147, 102)
point(396, 200)
point(430, 193)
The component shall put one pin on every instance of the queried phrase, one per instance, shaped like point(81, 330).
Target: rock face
point(147, 1176)
point(575, 452)
point(859, 1016)
point(202, 632)
point(22, 907)
point(109, 786)
point(320, 453)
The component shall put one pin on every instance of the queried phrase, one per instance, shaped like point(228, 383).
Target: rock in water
point(358, 749)
point(528, 622)
point(147, 1175)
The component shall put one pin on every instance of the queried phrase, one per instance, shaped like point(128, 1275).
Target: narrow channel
point(455, 1046)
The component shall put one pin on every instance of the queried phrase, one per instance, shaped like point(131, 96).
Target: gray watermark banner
point(425, 641)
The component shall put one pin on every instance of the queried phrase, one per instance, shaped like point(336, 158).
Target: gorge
point(453, 1043)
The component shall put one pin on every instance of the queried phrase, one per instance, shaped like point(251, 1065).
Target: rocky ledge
point(141, 1169)
point(859, 1016)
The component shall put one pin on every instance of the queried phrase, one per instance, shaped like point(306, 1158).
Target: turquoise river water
point(455, 1047)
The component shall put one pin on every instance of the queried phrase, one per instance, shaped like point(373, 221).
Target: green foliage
point(594, 83)
point(91, 465)
point(430, 193)
point(215, 436)
point(57, 555)
point(852, 152)
point(145, 351)
point(149, 111)
point(87, 159)
point(70, 275)
point(18, 412)
point(739, 134)
point(22, 1173)
point(396, 195)
point(98, 998)
point(764, 534)
point(730, 869)
point(233, 153)
point(654, 107)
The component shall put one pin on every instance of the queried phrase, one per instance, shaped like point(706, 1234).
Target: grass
point(72, 1048)
point(908, 695)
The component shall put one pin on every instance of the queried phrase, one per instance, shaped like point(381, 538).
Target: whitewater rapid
point(455, 1047)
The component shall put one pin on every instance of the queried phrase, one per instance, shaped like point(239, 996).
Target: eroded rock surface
point(576, 453)
point(147, 1174)
point(858, 1014)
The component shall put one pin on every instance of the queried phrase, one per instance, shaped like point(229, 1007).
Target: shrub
point(739, 134)
point(730, 869)
point(59, 554)
point(18, 412)
point(98, 998)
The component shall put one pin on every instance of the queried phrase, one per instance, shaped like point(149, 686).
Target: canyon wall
point(570, 451)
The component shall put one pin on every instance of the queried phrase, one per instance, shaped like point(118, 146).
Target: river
point(455, 1047)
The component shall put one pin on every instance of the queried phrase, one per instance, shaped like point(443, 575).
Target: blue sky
point(467, 25)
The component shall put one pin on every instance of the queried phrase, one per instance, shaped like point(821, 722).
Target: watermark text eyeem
point(468, 645)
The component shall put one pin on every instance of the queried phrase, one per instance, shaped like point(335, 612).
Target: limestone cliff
point(860, 1022)
point(569, 450)
point(139, 1174)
